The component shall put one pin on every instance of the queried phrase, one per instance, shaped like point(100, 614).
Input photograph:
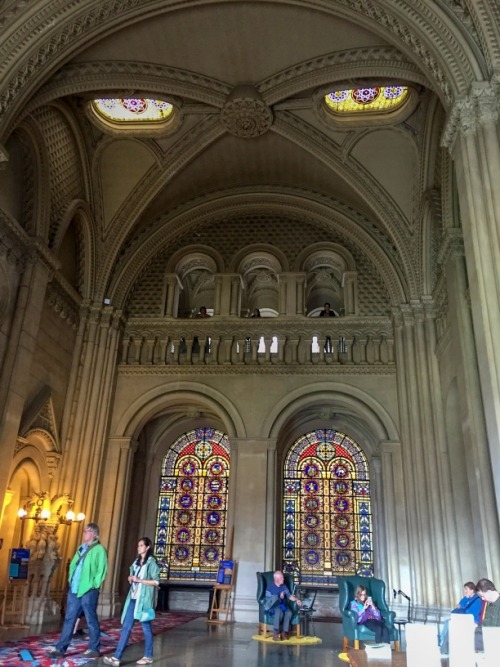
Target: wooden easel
point(221, 609)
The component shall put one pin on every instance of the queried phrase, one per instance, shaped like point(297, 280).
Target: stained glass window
point(192, 506)
point(363, 100)
point(327, 524)
point(131, 109)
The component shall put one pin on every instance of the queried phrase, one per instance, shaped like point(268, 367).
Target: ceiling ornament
point(245, 114)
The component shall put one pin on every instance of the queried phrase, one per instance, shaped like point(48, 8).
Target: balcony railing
point(258, 342)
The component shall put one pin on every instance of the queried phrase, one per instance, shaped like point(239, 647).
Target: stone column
point(472, 482)
point(85, 443)
point(473, 139)
point(350, 285)
point(15, 373)
point(111, 516)
point(411, 437)
point(395, 526)
point(253, 529)
point(172, 287)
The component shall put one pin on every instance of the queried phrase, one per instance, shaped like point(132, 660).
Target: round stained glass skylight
point(362, 100)
point(133, 109)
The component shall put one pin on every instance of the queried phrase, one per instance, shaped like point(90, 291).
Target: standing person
point(282, 612)
point(368, 614)
point(87, 571)
point(471, 603)
point(144, 579)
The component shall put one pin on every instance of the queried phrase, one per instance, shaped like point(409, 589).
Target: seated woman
point(471, 603)
point(369, 615)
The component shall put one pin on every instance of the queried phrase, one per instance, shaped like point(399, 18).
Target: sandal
point(145, 661)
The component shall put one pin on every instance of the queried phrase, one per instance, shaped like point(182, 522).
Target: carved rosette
point(245, 114)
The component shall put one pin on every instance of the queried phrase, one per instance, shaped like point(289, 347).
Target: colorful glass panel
point(327, 526)
point(131, 109)
point(192, 506)
point(362, 100)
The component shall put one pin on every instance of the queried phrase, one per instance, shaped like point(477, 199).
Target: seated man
point(491, 617)
point(282, 612)
point(471, 603)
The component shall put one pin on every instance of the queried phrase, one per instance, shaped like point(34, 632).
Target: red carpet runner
point(39, 645)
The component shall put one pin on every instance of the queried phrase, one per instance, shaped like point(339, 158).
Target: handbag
point(147, 615)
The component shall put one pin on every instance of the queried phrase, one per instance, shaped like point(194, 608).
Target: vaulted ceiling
point(247, 80)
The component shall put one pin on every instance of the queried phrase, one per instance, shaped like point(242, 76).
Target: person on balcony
point(327, 311)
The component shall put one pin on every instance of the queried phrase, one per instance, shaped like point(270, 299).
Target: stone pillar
point(254, 528)
point(473, 139)
point(472, 482)
point(15, 373)
point(112, 518)
point(291, 291)
point(172, 287)
point(350, 285)
point(81, 469)
point(395, 527)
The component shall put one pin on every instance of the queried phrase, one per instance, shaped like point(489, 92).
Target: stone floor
point(200, 644)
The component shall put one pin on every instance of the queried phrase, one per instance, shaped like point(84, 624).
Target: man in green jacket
point(87, 571)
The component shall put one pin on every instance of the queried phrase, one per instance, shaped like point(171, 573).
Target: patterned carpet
point(32, 651)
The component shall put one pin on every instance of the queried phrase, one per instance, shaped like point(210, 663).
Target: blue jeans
point(74, 607)
point(128, 624)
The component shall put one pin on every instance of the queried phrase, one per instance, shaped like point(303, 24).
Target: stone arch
point(346, 401)
point(37, 206)
point(184, 395)
point(316, 210)
point(259, 271)
point(331, 277)
point(78, 217)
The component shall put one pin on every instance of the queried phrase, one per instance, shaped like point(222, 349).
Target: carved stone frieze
point(325, 370)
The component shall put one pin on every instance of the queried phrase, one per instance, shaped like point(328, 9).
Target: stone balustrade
point(263, 342)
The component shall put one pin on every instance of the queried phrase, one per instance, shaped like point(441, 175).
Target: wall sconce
point(70, 517)
point(35, 510)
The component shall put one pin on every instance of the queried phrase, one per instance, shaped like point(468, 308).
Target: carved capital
point(486, 98)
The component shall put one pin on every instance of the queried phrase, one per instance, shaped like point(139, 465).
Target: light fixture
point(70, 517)
point(36, 510)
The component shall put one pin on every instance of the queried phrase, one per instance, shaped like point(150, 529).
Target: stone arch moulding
point(39, 225)
point(34, 462)
point(79, 211)
point(185, 254)
point(273, 254)
point(133, 419)
point(316, 210)
point(339, 395)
